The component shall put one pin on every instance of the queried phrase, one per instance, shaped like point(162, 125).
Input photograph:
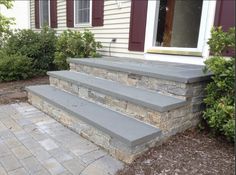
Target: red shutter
point(36, 10)
point(70, 13)
point(225, 17)
point(97, 12)
point(53, 13)
point(225, 14)
point(137, 25)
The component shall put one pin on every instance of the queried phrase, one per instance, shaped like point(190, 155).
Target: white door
point(179, 27)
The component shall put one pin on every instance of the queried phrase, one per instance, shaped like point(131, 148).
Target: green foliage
point(75, 44)
point(48, 40)
point(36, 51)
point(5, 22)
point(220, 102)
point(221, 41)
point(7, 3)
point(14, 67)
point(40, 47)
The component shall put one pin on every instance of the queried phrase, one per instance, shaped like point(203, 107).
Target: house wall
point(19, 11)
point(116, 25)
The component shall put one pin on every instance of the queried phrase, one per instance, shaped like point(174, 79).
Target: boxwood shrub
point(37, 52)
point(75, 44)
point(220, 98)
point(15, 67)
point(38, 46)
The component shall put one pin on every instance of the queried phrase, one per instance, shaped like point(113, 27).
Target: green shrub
point(220, 102)
point(75, 44)
point(48, 40)
point(14, 67)
point(221, 41)
point(40, 47)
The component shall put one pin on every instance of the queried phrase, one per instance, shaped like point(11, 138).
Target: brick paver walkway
point(33, 143)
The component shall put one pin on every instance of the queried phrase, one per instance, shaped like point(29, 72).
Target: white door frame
point(207, 21)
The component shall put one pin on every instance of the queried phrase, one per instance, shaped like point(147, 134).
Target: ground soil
point(192, 152)
point(12, 92)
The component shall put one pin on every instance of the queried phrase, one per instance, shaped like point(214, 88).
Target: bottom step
point(122, 136)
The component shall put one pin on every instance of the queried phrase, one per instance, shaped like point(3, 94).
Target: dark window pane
point(82, 11)
point(44, 12)
point(179, 23)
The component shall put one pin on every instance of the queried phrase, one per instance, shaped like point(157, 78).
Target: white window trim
point(207, 20)
point(89, 24)
point(49, 14)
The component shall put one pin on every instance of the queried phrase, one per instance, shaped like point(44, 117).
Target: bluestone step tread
point(126, 129)
point(146, 98)
point(174, 72)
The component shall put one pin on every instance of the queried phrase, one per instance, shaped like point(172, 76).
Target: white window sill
point(83, 25)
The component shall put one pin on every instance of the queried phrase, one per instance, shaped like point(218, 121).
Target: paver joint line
point(25, 157)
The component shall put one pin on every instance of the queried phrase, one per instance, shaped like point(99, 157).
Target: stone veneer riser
point(192, 92)
point(110, 144)
point(173, 88)
point(169, 122)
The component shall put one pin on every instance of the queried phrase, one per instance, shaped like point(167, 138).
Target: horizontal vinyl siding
point(61, 14)
point(116, 25)
point(32, 15)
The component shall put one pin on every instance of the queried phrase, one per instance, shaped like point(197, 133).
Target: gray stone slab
point(4, 150)
point(54, 167)
point(92, 156)
point(105, 165)
point(75, 166)
point(12, 142)
point(10, 163)
point(21, 152)
point(48, 144)
point(19, 171)
point(40, 154)
point(126, 129)
point(2, 171)
point(146, 98)
point(32, 165)
point(30, 143)
point(83, 148)
point(21, 135)
point(164, 70)
point(61, 155)
point(43, 172)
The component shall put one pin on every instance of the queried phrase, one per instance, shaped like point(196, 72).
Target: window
point(82, 12)
point(44, 12)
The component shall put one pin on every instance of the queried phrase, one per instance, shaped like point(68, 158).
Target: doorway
point(183, 37)
point(178, 23)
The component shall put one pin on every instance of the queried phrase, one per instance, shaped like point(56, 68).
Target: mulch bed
point(13, 92)
point(188, 153)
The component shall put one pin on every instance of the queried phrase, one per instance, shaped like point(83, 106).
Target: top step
point(184, 73)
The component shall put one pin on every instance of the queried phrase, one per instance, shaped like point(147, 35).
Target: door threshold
point(174, 52)
point(186, 59)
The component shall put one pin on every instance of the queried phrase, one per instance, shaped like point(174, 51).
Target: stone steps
point(168, 78)
point(124, 105)
point(122, 136)
point(148, 106)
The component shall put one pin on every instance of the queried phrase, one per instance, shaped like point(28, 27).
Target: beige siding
point(32, 15)
point(61, 14)
point(116, 25)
